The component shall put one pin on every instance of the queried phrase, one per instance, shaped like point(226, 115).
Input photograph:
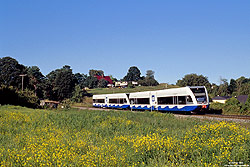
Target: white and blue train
point(185, 99)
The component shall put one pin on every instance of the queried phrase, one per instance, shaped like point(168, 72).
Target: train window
point(201, 99)
point(98, 100)
point(122, 101)
point(140, 101)
point(198, 90)
point(113, 101)
point(165, 100)
point(181, 99)
point(143, 101)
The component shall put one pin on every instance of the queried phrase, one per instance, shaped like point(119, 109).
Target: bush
point(10, 95)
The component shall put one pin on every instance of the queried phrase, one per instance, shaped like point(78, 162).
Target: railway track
point(218, 117)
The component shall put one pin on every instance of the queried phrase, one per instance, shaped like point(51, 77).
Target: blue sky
point(172, 38)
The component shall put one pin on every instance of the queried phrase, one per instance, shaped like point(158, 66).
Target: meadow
point(74, 137)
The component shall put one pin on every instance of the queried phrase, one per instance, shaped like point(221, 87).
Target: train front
point(201, 96)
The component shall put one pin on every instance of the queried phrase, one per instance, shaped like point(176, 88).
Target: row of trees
point(61, 83)
point(240, 86)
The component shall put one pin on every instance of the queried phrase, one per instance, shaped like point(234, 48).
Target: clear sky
point(171, 37)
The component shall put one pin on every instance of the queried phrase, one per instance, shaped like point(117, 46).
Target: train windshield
point(198, 90)
point(200, 95)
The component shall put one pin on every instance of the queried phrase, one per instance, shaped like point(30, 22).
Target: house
point(107, 78)
point(122, 84)
point(49, 103)
point(221, 99)
point(242, 98)
point(134, 83)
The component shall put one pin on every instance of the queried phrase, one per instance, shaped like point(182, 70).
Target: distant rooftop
point(221, 97)
point(242, 98)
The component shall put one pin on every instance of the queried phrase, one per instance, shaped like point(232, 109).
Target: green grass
point(129, 90)
point(116, 138)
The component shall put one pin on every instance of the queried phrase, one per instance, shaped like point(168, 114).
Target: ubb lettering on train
point(185, 99)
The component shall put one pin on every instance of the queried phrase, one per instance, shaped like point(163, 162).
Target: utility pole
point(22, 75)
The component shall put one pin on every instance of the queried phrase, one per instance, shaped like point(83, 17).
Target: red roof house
point(107, 78)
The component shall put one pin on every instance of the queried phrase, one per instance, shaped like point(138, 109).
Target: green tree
point(232, 86)
point(96, 72)
point(246, 107)
point(36, 80)
point(223, 89)
point(91, 82)
point(80, 79)
point(134, 74)
point(78, 94)
point(193, 80)
point(10, 70)
point(102, 83)
point(61, 83)
point(149, 80)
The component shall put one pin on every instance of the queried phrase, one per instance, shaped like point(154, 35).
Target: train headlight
point(204, 106)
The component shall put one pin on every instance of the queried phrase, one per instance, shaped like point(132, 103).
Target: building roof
point(107, 78)
point(242, 98)
point(221, 97)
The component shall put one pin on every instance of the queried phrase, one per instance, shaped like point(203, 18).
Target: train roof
point(118, 95)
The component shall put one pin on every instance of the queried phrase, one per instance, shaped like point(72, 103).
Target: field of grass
point(129, 90)
point(117, 138)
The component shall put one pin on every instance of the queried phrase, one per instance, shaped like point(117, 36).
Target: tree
point(36, 80)
point(193, 80)
point(102, 83)
point(150, 74)
point(91, 82)
point(149, 80)
point(232, 86)
point(78, 94)
point(133, 74)
point(223, 88)
point(10, 70)
point(96, 72)
point(80, 79)
point(60, 83)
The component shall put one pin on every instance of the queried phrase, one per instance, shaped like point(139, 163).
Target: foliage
point(100, 138)
point(96, 72)
point(193, 80)
point(78, 94)
point(60, 84)
point(10, 70)
point(10, 95)
point(102, 83)
point(91, 82)
point(134, 74)
point(233, 106)
point(149, 80)
point(80, 80)
point(245, 109)
point(36, 80)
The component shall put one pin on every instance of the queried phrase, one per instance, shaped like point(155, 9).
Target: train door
point(153, 101)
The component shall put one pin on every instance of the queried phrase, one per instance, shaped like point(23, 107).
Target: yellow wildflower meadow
point(97, 138)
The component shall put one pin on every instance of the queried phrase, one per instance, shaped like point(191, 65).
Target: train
point(190, 99)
